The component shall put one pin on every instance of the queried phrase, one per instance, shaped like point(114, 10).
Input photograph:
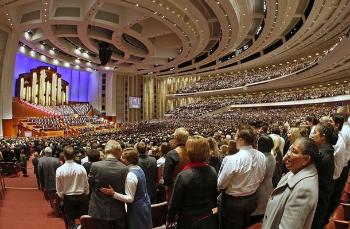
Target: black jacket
point(149, 166)
point(325, 171)
point(194, 195)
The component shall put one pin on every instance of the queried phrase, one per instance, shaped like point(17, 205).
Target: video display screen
point(134, 102)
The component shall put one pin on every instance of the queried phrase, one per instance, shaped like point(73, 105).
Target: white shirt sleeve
point(339, 157)
point(130, 189)
point(59, 187)
point(228, 168)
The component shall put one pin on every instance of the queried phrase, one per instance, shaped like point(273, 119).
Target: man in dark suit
point(108, 173)
point(47, 166)
point(149, 166)
point(35, 162)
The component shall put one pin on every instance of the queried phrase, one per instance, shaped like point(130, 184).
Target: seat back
point(338, 213)
point(255, 226)
point(159, 214)
point(346, 208)
point(341, 224)
point(88, 222)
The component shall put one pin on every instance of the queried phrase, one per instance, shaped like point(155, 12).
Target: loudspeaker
point(105, 52)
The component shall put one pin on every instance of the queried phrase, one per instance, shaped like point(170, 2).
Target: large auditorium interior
point(175, 114)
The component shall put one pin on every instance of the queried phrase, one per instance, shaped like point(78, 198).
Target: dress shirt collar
point(133, 166)
point(110, 156)
point(246, 147)
point(69, 161)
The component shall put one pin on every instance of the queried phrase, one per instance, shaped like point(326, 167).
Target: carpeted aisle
point(25, 207)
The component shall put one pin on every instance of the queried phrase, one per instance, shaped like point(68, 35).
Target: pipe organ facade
point(43, 86)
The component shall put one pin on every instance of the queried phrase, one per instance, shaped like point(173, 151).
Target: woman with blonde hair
point(292, 135)
point(276, 152)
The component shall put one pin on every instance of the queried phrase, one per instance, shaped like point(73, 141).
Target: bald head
point(48, 151)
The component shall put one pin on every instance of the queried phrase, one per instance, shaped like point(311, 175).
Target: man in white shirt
point(72, 186)
point(341, 155)
point(240, 176)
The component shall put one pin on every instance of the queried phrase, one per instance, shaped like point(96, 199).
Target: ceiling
point(172, 38)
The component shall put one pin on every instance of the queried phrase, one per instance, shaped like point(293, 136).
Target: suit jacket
point(102, 174)
point(326, 185)
point(293, 203)
point(47, 172)
point(149, 166)
point(35, 162)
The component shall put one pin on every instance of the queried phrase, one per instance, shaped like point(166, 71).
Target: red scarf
point(194, 165)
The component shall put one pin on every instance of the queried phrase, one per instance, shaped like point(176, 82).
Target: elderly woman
point(325, 137)
point(195, 192)
point(293, 203)
point(139, 204)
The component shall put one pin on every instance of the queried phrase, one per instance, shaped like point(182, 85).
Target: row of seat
point(341, 216)
point(10, 168)
point(159, 212)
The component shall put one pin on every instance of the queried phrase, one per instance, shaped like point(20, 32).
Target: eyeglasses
point(293, 152)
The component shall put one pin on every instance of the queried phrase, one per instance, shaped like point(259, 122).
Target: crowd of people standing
point(211, 176)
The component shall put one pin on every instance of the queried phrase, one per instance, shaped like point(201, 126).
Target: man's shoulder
point(172, 154)
point(150, 158)
point(55, 159)
point(103, 163)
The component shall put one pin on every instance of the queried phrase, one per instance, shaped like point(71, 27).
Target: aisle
point(24, 206)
